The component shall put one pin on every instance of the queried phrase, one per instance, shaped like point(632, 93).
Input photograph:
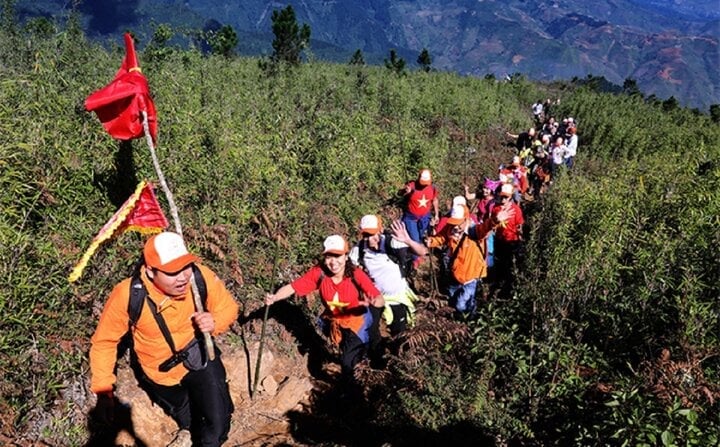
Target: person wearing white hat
point(386, 256)
point(507, 241)
point(421, 206)
point(457, 200)
point(353, 304)
point(557, 152)
point(571, 145)
point(194, 394)
point(466, 264)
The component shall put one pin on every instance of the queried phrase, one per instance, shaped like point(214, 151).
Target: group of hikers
point(361, 285)
point(544, 151)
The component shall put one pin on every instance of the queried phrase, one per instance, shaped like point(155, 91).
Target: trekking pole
point(433, 278)
point(265, 318)
point(178, 228)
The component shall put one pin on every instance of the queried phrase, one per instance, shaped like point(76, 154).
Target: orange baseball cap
point(167, 252)
point(425, 177)
point(458, 214)
point(371, 224)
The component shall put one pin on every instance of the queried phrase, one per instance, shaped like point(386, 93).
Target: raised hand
point(399, 231)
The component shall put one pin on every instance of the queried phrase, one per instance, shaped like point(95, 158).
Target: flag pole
point(178, 228)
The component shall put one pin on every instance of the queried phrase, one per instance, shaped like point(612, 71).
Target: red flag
point(119, 105)
point(141, 212)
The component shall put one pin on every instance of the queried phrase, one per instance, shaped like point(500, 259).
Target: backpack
point(138, 294)
point(400, 256)
point(193, 356)
point(355, 283)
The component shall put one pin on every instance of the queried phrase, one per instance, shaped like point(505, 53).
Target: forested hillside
point(610, 339)
point(669, 49)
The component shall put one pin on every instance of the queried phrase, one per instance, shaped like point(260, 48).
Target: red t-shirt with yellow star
point(339, 299)
point(420, 199)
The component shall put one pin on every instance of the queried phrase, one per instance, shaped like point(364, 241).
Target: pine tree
point(395, 63)
point(290, 38)
point(630, 87)
point(357, 58)
point(424, 60)
point(670, 104)
point(715, 113)
point(158, 49)
point(223, 41)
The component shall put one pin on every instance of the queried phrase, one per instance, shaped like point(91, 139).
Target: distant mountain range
point(670, 47)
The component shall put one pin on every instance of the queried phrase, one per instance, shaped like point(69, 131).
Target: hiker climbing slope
point(508, 241)
point(421, 206)
point(173, 368)
point(385, 257)
point(353, 305)
point(466, 265)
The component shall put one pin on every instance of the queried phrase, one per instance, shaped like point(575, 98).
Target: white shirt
point(537, 108)
point(558, 152)
point(571, 146)
point(382, 270)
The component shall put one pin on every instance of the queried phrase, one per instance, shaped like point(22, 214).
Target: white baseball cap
point(335, 244)
point(167, 252)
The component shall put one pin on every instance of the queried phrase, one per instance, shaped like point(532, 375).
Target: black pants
point(201, 403)
point(399, 323)
point(508, 258)
point(352, 351)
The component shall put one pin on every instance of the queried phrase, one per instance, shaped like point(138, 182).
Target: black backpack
point(138, 294)
point(400, 256)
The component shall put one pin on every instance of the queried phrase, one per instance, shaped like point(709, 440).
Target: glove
point(105, 407)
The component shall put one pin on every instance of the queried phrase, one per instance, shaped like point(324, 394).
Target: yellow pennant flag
point(141, 212)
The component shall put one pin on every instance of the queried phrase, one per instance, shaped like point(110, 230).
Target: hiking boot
point(182, 439)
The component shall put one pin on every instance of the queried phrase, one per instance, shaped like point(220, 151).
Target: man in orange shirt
point(196, 394)
point(466, 245)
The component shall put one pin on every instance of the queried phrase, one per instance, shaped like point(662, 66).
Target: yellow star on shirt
point(423, 202)
point(335, 303)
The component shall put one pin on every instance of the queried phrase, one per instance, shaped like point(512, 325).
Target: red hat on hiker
point(167, 252)
point(335, 245)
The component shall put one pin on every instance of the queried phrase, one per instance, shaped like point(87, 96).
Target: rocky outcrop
point(283, 386)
